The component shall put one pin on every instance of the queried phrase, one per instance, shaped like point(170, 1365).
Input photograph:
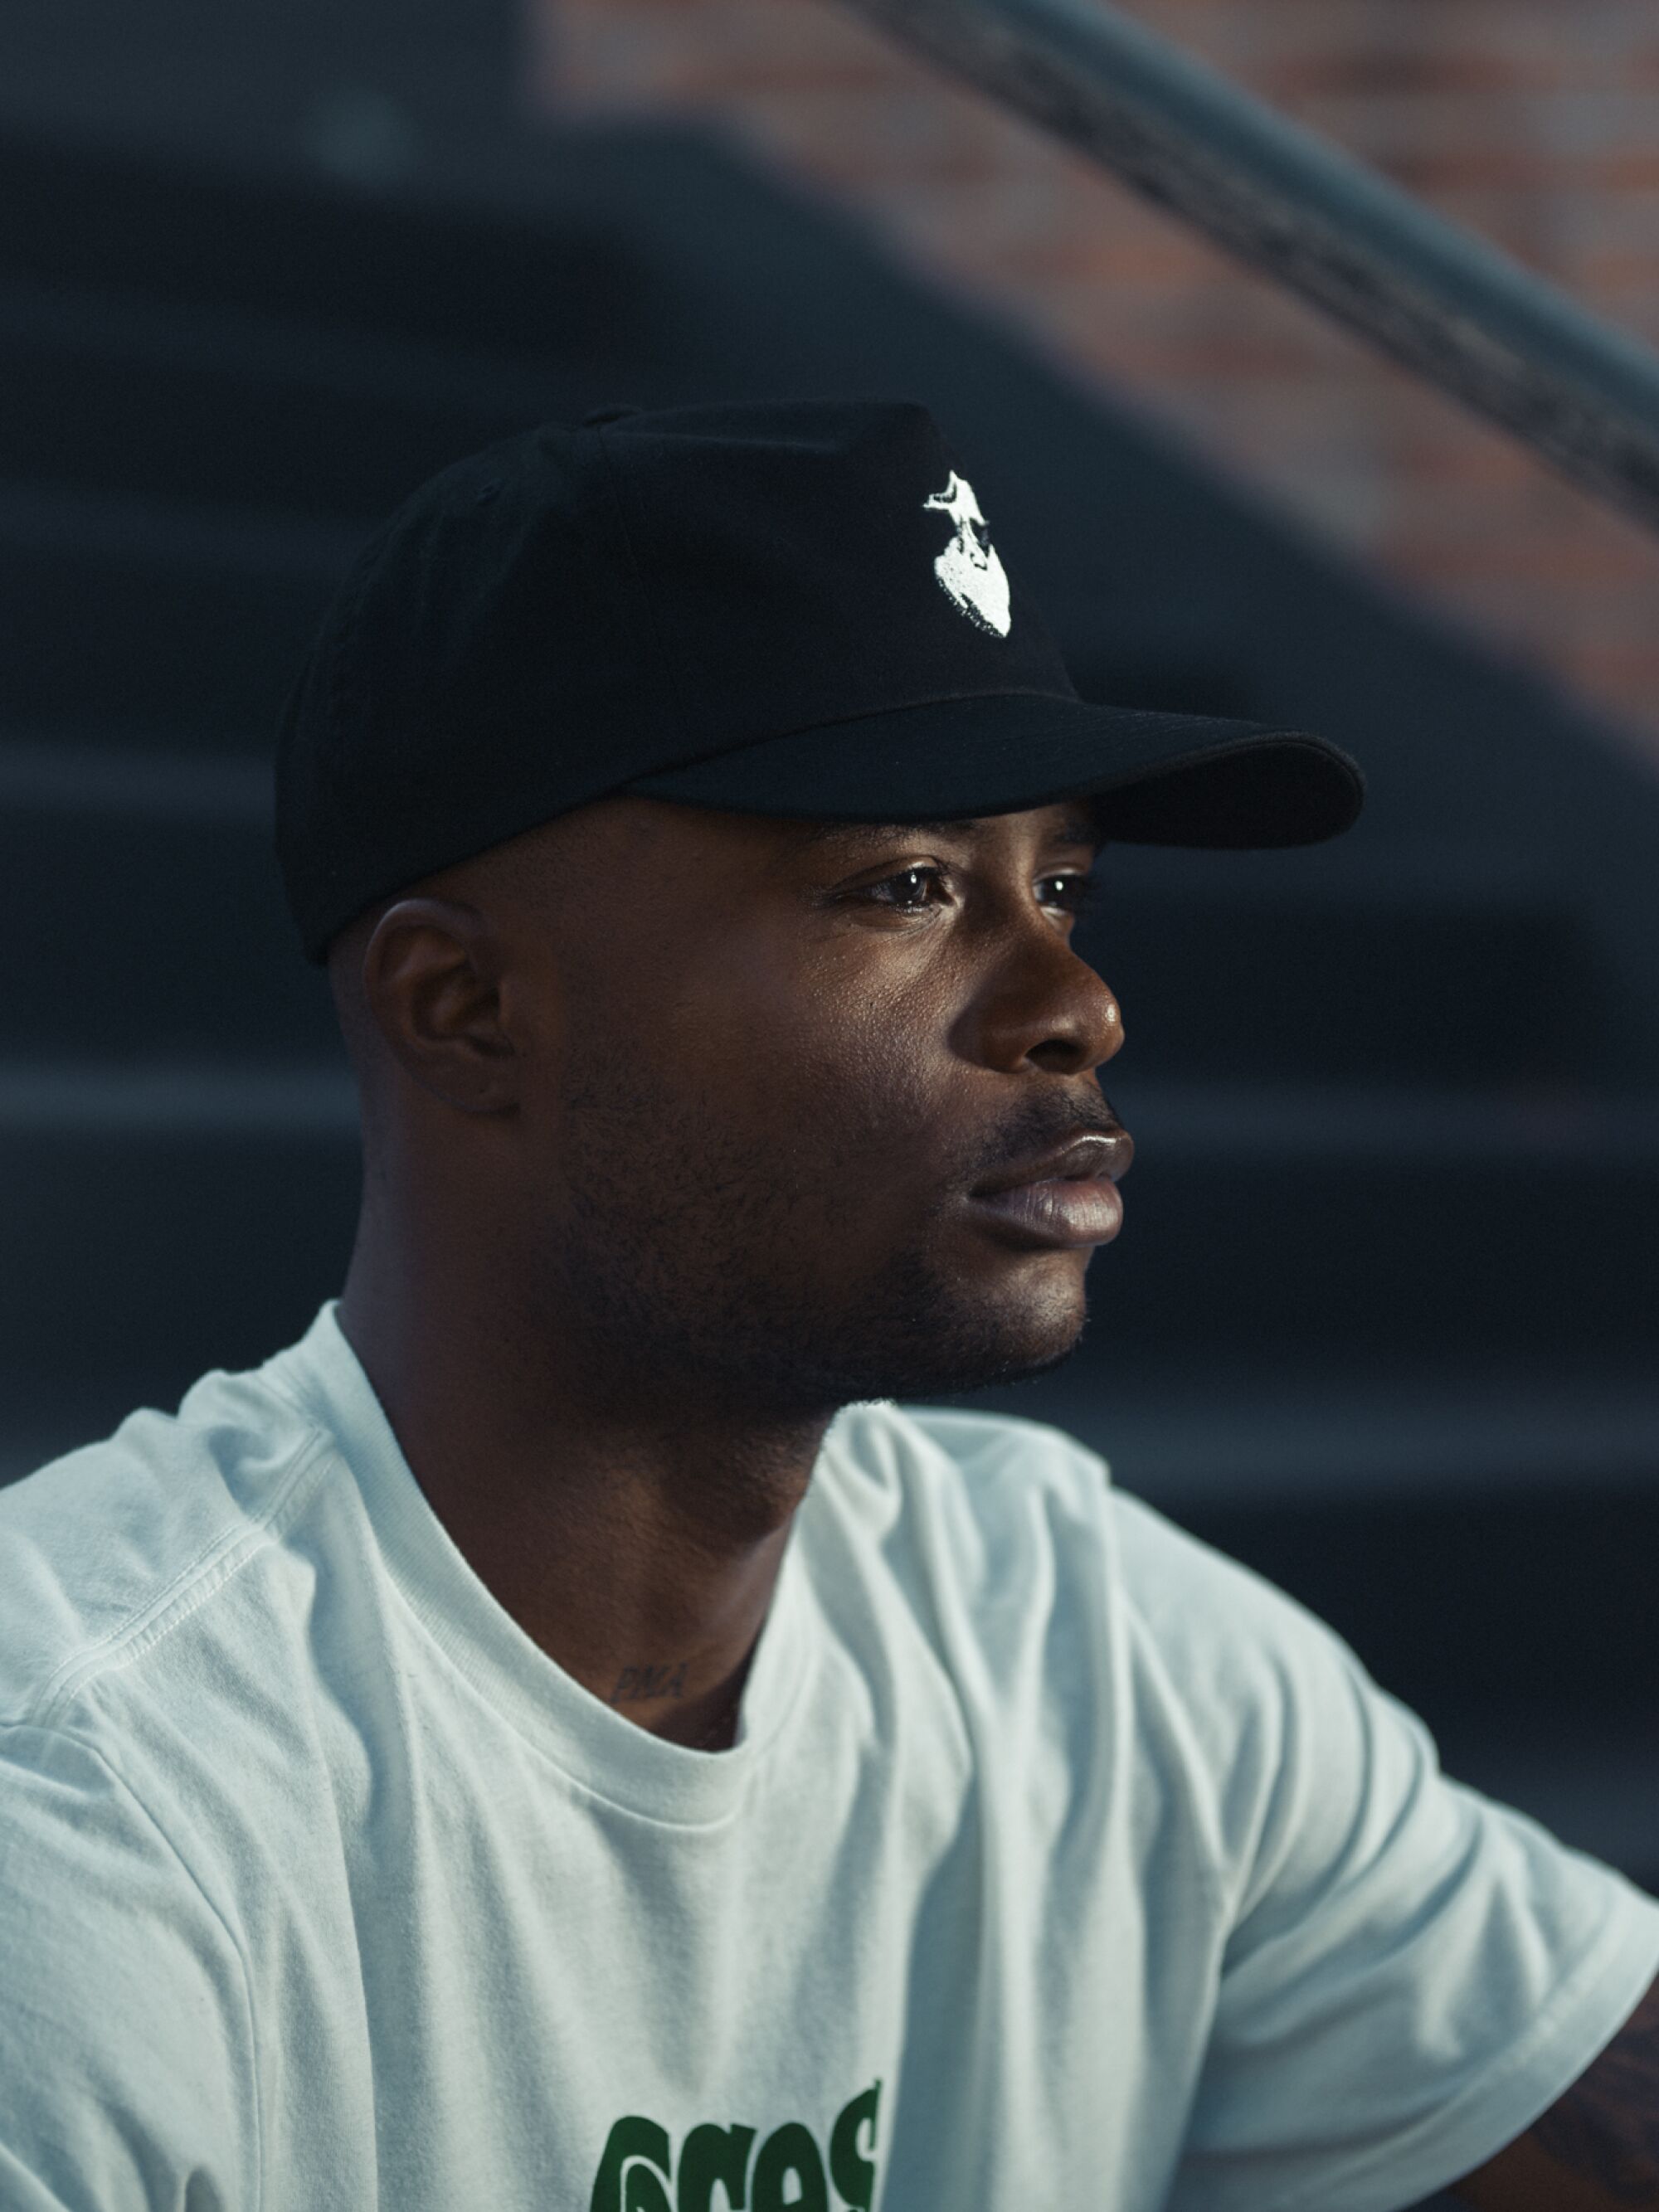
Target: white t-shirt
point(1061, 1865)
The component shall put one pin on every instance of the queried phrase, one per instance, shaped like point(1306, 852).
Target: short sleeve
point(1409, 1974)
point(126, 2073)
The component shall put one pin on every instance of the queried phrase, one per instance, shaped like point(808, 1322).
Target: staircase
point(1383, 1319)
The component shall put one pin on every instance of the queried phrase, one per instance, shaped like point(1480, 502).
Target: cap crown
point(573, 609)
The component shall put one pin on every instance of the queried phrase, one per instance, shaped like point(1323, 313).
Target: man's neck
point(635, 1537)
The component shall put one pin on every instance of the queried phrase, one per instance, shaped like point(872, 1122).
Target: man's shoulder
point(110, 1546)
point(1002, 1488)
point(986, 1502)
point(966, 1457)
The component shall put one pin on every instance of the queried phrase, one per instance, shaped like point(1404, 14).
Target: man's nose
point(1055, 1013)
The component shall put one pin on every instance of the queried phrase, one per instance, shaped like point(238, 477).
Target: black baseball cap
point(795, 608)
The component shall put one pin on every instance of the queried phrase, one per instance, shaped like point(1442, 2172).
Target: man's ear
point(431, 981)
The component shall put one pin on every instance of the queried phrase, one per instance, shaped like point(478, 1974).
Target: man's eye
point(1070, 894)
point(909, 892)
point(913, 889)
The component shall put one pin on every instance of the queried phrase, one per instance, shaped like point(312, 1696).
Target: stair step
point(1368, 1260)
point(140, 401)
point(179, 1242)
point(43, 519)
point(189, 621)
point(1272, 1440)
point(156, 885)
point(1347, 989)
point(122, 771)
point(582, 283)
point(142, 1101)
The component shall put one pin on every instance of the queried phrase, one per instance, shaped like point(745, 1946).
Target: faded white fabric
point(1060, 1863)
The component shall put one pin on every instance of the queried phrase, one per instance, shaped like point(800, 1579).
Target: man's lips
point(1067, 1197)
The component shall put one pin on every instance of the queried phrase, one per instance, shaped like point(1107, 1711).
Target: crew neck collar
point(614, 1757)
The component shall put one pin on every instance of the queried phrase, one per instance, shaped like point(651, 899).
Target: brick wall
point(1533, 122)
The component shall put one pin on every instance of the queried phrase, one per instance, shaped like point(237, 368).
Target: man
point(561, 1735)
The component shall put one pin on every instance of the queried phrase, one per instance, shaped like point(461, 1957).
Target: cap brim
point(1157, 779)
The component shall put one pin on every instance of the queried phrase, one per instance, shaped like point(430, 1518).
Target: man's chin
point(991, 1374)
point(972, 1352)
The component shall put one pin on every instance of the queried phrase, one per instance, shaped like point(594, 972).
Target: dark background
point(1382, 1320)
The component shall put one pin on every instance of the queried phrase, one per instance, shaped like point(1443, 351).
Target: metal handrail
point(1456, 310)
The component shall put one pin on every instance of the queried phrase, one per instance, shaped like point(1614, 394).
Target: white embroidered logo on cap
point(969, 568)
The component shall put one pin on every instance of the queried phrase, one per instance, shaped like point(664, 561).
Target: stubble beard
point(713, 1295)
